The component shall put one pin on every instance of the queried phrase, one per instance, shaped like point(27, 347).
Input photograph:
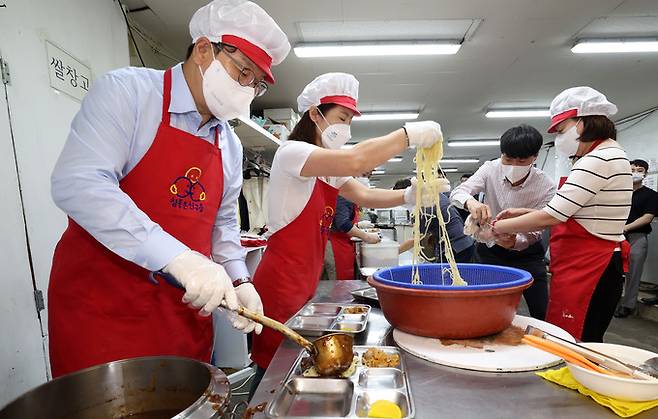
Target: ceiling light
point(517, 113)
point(450, 170)
point(395, 159)
point(474, 143)
point(378, 172)
point(386, 116)
point(458, 161)
point(599, 46)
point(371, 49)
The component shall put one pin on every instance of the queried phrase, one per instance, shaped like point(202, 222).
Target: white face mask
point(515, 173)
point(225, 97)
point(335, 135)
point(566, 143)
point(638, 177)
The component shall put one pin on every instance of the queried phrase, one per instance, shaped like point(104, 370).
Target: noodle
point(430, 185)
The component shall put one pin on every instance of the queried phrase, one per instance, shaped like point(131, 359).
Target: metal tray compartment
point(306, 397)
point(366, 294)
point(317, 319)
point(352, 397)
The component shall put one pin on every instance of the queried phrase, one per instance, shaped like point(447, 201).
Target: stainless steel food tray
point(305, 398)
point(367, 294)
point(316, 319)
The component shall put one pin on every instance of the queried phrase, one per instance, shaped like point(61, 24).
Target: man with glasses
point(149, 177)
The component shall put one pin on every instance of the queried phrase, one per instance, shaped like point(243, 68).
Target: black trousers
point(531, 260)
point(604, 301)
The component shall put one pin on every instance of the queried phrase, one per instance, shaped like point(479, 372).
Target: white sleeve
point(292, 157)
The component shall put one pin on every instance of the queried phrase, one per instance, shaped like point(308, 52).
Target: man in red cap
point(131, 212)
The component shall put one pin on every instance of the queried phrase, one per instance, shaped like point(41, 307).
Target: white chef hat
point(339, 88)
point(579, 101)
point(245, 25)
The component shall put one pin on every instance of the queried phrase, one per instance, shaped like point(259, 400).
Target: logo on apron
point(327, 219)
point(188, 191)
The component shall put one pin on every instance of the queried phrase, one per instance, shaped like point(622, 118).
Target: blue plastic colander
point(436, 276)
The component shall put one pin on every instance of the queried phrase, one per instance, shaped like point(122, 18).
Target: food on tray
point(430, 185)
point(355, 310)
point(347, 328)
point(376, 358)
point(309, 370)
point(384, 409)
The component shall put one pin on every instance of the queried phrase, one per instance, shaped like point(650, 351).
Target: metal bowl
point(439, 310)
point(139, 388)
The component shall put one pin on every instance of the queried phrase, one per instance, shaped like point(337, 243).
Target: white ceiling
point(515, 51)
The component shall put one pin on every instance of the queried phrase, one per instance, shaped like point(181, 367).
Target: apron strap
point(166, 97)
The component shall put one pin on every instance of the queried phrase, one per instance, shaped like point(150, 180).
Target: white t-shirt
point(289, 190)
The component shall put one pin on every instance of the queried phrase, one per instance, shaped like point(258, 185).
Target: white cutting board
point(493, 358)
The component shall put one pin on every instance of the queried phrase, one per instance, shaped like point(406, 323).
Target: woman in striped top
point(587, 216)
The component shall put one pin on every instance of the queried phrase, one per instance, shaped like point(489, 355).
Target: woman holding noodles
point(588, 214)
point(308, 172)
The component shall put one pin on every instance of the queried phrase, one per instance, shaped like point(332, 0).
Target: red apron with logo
point(578, 260)
point(344, 251)
point(289, 272)
point(104, 308)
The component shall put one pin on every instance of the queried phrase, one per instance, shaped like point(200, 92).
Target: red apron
point(578, 260)
point(344, 251)
point(289, 272)
point(104, 308)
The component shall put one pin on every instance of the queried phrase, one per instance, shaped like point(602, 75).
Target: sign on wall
point(67, 74)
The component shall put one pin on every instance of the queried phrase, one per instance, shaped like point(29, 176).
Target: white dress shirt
point(114, 128)
point(499, 194)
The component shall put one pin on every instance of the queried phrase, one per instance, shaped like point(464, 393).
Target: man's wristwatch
point(240, 281)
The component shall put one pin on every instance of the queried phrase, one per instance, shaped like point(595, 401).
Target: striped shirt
point(597, 193)
point(499, 194)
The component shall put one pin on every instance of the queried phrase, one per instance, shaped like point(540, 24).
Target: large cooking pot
point(139, 388)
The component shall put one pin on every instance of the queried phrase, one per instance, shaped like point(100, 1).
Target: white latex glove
point(206, 283)
point(364, 224)
point(480, 233)
point(248, 298)
point(423, 133)
point(372, 238)
point(428, 199)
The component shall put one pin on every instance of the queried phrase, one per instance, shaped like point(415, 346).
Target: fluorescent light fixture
point(396, 159)
point(602, 46)
point(373, 49)
point(474, 143)
point(458, 161)
point(387, 116)
point(450, 170)
point(518, 113)
point(378, 172)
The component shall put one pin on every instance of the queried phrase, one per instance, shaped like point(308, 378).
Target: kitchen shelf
point(254, 137)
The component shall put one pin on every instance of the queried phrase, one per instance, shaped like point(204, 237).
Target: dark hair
point(305, 128)
point(466, 175)
point(521, 142)
point(188, 54)
point(640, 163)
point(597, 127)
point(402, 184)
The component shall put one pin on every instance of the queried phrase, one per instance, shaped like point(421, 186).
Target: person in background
point(462, 212)
point(589, 253)
point(343, 229)
point(508, 182)
point(308, 173)
point(149, 177)
point(463, 246)
point(644, 207)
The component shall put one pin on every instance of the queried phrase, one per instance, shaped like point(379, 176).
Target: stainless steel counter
point(440, 391)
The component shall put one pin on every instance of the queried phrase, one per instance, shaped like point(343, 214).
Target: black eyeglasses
point(247, 76)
